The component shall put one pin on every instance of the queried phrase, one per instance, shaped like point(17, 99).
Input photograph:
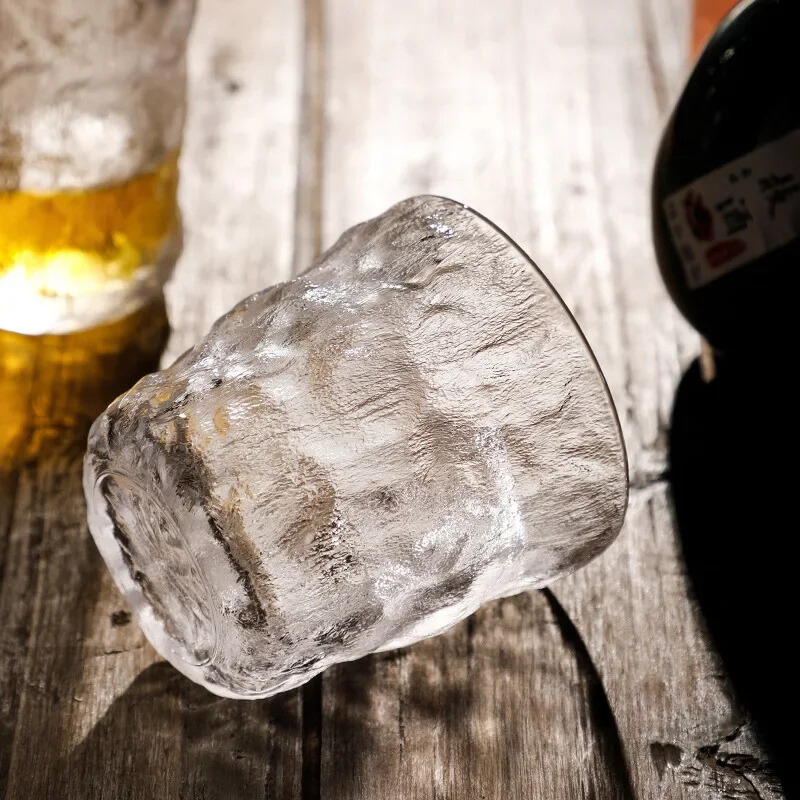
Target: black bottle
point(726, 189)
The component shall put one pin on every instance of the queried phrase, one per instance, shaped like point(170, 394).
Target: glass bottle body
point(726, 188)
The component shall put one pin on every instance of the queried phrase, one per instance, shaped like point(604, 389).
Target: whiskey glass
point(358, 458)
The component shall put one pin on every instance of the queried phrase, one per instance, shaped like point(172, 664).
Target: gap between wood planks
point(310, 150)
point(307, 246)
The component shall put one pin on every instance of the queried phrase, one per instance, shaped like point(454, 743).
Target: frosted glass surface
point(358, 458)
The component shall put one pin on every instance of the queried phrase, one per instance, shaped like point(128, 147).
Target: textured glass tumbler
point(92, 103)
point(358, 458)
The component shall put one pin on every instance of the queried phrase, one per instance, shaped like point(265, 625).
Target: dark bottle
point(726, 189)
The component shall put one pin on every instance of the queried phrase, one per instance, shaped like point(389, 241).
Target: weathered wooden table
point(304, 120)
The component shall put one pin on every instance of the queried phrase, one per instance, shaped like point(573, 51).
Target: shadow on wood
point(506, 704)
point(733, 454)
point(165, 737)
point(53, 387)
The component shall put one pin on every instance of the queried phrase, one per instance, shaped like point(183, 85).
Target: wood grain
point(307, 117)
point(507, 704)
point(239, 162)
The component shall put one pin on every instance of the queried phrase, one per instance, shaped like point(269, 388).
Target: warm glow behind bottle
point(707, 15)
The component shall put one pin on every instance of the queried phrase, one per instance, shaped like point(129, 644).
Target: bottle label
point(737, 213)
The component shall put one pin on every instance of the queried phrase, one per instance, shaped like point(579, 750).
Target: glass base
point(153, 566)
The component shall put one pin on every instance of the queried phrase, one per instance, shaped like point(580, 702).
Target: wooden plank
point(63, 581)
point(634, 606)
point(87, 710)
point(50, 572)
point(506, 705)
point(545, 117)
point(239, 163)
point(15, 550)
point(311, 144)
point(502, 706)
point(307, 242)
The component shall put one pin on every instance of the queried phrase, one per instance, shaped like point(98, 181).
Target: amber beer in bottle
point(104, 248)
point(726, 189)
point(92, 104)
